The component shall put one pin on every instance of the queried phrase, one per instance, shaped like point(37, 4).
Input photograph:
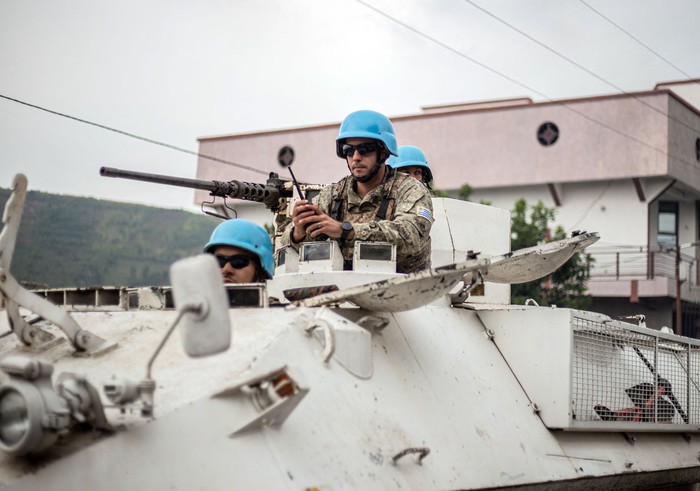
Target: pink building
point(625, 165)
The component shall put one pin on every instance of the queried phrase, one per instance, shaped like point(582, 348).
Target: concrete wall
point(498, 147)
point(610, 208)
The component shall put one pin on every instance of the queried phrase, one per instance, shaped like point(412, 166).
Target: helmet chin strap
point(370, 176)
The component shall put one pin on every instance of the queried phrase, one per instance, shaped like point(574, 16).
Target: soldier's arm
point(413, 218)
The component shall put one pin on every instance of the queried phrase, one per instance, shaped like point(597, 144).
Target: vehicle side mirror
point(200, 299)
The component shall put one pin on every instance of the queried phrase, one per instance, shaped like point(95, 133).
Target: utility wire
point(595, 200)
point(173, 147)
point(451, 49)
point(577, 65)
point(690, 77)
point(581, 67)
point(690, 165)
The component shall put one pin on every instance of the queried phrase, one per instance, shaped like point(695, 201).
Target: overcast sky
point(176, 70)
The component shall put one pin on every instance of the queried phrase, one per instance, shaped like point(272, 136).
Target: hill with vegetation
point(67, 241)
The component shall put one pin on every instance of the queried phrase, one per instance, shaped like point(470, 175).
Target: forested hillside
point(66, 241)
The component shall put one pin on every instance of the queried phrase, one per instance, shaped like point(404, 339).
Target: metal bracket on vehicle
point(81, 339)
point(30, 335)
point(27, 334)
point(376, 323)
point(272, 396)
point(346, 342)
point(310, 324)
point(328, 337)
point(469, 282)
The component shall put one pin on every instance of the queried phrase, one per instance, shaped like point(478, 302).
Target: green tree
point(465, 192)
point(567, 286)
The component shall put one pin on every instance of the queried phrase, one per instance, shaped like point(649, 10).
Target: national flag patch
point(424, 212)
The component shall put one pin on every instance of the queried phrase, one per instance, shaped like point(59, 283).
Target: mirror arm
point(196, 308)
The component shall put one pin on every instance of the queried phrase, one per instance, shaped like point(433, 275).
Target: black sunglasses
point(237, 261)
point(363, 148)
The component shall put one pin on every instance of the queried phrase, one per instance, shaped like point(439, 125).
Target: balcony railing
point(628, 263)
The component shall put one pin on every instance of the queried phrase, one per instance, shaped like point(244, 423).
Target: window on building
point(668, 223)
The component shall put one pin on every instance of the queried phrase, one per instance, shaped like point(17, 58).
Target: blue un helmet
point(410, 156)
point(366, 124)
point(246, 235)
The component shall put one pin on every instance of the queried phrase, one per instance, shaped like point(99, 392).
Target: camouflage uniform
point(409, 217)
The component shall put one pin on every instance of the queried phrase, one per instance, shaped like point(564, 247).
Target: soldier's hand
point(304, 215)
point(322, 224)
point(309, 218)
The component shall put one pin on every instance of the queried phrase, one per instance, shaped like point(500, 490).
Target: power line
point(581, 67)
point(577, 65)
point(137, 137)
point(517, 82)
point(551, 50)
point(590, 206)
point(451, 49)
point(690, 77)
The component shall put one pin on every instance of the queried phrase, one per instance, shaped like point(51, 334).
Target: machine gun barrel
point(268, 193)
point(159, 179)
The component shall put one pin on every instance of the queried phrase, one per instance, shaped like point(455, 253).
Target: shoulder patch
point(422, 211)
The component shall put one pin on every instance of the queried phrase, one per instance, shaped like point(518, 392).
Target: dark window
point(316, 252)
point(244, 297)
point(375, 252)
point(667, 234)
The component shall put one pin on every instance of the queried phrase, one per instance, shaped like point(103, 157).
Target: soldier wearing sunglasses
point(243, 250)
point(374, 203)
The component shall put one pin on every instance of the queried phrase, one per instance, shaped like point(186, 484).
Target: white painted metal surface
point(464, 226)
point(535, 262)
point(407, 292)
point(437, 382)
point(427, 396)
point(404, 292)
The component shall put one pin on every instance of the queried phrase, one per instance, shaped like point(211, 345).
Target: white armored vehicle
point(367, 379)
